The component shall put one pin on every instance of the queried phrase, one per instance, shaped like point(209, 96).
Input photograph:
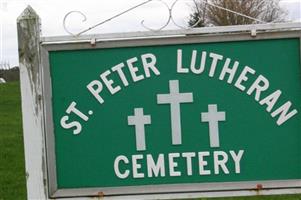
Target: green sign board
point(175, 116)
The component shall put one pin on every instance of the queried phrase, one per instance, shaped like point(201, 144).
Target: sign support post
point(28, 25)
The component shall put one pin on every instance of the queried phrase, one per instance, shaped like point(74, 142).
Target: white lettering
point(227, 70)
point(215, 59)
point(155, 168)
point(236, 159)
point(95, 91)
point(203, 163)
point(271, 100)
point(134, 70)
point(73, 109)
point(116, 167)
point(242, 78)
point(220, 163)
point(188, 156)
point(284, 116)
point(149, 65)
point(259, 88)
point(173, 164)
point(193, 62)
point(73, 124)
point(180, 69)
point(118, 68)
point(137, 166)
point(108, 82)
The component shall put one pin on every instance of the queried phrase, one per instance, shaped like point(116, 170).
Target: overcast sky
point(52, 14)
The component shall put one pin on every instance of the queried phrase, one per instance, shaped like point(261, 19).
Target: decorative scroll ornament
point(170, 18)
point(66, 16)
point(166, 23)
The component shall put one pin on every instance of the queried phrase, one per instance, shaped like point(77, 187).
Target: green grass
point(12, 172)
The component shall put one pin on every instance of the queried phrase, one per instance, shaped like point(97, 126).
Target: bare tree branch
point(264, 10)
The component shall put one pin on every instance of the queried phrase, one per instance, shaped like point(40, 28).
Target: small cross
point(175, 98)
point(213, 117)
point(139, 120)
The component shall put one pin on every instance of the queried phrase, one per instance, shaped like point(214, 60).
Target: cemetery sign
point(181, 113)
point(127, 118)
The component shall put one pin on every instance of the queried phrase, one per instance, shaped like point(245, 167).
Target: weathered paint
point(28, 25)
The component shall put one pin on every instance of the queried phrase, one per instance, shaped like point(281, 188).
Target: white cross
point(213, 117)
point(175, 98)
point(139, 120)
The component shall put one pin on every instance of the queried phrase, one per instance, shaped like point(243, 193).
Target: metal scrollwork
point(167, 22)
point(71, 12)
point(170, 10)
point(175, 23)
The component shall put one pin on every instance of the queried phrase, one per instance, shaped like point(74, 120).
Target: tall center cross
point(213, 117)
point(175, 98)
point(139, 120)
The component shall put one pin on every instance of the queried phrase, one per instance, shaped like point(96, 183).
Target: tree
point(209, 12)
